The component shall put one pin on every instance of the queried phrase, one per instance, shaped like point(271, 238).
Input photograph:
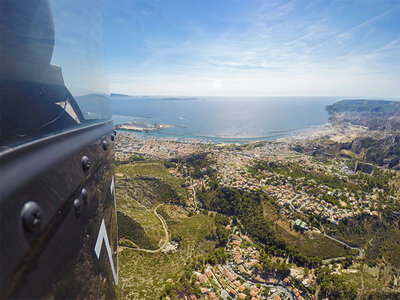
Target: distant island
point(142, 126)
point(156, 97)
point(119, 95)
point(177, 98)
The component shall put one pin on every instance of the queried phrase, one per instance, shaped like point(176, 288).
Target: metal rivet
point(77, 206)
point(112, 137)
point(105, 145)
point(84, 195)
point(31, 216)
point(85, 163)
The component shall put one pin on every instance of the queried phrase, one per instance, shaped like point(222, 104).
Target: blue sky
point(253, 48)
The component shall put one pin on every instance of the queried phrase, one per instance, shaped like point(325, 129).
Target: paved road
point(164, 224)
point(359, 255)
point(224, 293)
point(359, 249)
point(280, 287)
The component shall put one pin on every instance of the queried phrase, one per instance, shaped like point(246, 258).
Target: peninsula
point(142, 126)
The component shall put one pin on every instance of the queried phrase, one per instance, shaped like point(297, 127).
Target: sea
point(222, 119)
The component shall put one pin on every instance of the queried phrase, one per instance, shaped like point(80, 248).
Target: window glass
point(52, 69)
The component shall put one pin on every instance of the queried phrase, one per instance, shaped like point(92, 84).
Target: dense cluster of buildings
point(129, 144)
point(294, 194)
point(233, 162)
point(300, 195)
point(240, 277)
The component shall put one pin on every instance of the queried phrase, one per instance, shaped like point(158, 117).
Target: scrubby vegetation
point(333, 286)
point(155, 170)
point(147, 275)
point(379, 236)
point(131, 230)
point(199, 164)
point(131, 159)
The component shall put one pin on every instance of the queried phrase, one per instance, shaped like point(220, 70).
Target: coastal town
point(293, 195)
point(306, 198)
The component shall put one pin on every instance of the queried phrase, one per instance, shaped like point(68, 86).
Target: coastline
point(142, 127)
point(156, 132)
point(341, 133)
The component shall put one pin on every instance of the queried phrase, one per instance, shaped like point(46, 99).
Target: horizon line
point(359, 97)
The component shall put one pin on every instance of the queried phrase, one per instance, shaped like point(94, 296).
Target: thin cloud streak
point(269, 49)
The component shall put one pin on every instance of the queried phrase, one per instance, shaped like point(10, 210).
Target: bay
point(223, 119)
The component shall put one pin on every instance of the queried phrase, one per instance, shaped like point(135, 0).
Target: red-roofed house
point(258, 278)
point(253, 292)
point(241, 269)
point(229, 275)
point(255, 289)
point(286, 280)
point(238, 258)
point(254, 262)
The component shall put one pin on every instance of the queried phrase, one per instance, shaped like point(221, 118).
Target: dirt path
point(164, 224)
point(194, 194)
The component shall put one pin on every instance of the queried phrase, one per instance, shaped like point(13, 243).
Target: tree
point(220, 255)
point(334, 286)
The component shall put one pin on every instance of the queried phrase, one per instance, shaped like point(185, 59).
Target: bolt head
point(77, 206)
point(105, 145)
point(31, 215)
point(84, 195)
point(85, 163)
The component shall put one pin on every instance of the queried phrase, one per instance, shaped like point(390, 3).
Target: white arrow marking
point(103, 236)
point(112, 187)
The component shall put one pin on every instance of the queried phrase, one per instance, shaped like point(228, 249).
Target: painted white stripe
point(112, 187)
point(103, 236)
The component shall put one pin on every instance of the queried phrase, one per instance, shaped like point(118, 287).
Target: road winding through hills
point(359, 249)
point(165, 227)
